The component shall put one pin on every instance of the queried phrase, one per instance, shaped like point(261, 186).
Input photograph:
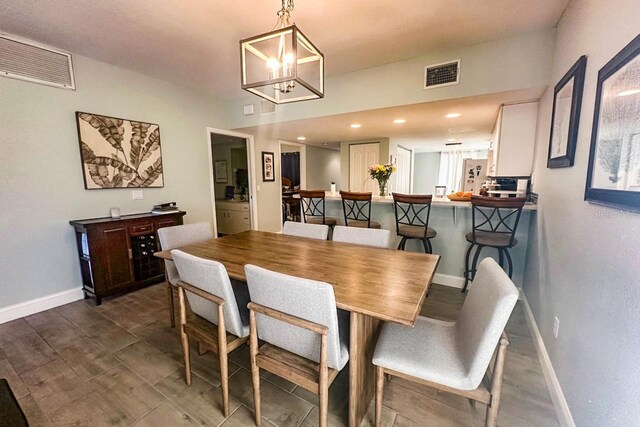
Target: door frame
point(251, 162)
point(303, 167)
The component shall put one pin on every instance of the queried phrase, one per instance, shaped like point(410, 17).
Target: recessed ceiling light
point(451, 140)
point(325, 144)
point(399, 121)
point(302, 138)
point(629, 92)
point(356, 125)
point(453, 115)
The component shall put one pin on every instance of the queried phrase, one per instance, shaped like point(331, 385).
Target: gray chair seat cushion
point(427, 351)
point(487, 238)
point(330, 221)
point(363, 224)
point(416, 231)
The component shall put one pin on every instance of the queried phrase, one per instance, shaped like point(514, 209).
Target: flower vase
point(382, 186)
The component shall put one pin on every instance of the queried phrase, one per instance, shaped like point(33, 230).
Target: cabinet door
point(117, 262)
point(223, 221)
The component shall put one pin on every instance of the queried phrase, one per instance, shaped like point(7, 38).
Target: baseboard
point(557, 396)
point(37, 305)
point(448, 280)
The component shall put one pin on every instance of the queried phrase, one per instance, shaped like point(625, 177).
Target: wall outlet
point(556, 327)
point(137, 194)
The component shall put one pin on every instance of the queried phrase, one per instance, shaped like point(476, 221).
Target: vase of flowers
point(382, 173)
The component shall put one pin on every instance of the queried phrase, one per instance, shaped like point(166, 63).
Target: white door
point(361, 156)
point(403, 172)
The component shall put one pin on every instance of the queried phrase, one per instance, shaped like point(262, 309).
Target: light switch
point(137, 194)
point(257, 188)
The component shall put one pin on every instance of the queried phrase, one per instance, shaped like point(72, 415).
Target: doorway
point(231, 181)
point(293, 177)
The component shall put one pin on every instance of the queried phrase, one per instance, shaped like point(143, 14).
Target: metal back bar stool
point(313, 208)
point(494, 221)
point(357, 210)
point(412, 219)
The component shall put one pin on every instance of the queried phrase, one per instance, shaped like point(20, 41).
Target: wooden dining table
point(372, 284)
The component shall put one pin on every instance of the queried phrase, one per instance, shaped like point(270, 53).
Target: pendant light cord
point(284, 14)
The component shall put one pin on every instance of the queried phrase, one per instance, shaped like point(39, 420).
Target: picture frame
point(220, 171)
point(119, 153)
point(268, 166)
point(613, 174)
point(565, 116)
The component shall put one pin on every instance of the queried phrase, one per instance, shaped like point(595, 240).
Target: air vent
point(453, 143)
point(26, 60)
point(444, 74)
point(267, 107)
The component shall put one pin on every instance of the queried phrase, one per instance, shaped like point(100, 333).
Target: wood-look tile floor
point(121, 364)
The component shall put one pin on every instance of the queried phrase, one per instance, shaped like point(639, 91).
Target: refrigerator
point(474, 173)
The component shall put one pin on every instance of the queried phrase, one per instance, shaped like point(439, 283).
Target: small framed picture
point(565, 116)
point(268, 167)
point(613, 176)
point(220, 171)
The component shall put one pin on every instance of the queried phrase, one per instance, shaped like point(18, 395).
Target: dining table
point(373, 284)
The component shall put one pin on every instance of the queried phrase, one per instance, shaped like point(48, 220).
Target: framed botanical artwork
point(613, 177)
point(119, 153)
point(220, 171)
point(565, 116)
point(268, 166)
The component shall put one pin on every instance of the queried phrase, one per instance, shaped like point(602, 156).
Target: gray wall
point(425, 172)
point(583, 263)
point(323, 167)
point(41, 186)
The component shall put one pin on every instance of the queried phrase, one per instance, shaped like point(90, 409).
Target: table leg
point(363, 338)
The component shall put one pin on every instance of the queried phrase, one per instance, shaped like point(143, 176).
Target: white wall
point(41, 186)
point(583, 262)
point(425, 172)
point(323, 167)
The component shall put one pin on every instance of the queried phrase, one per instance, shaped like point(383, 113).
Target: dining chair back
point(311, 231)
point(362, 236)
point(175, 237)
point(357, 209)
point(412, 212)
point(305, 338)
point(221, 321)
point(313, 207)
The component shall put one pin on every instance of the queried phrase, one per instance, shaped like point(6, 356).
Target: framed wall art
point(613, 176)
point(268, 166)
point(220, 170)
point(565, 116)
point(119, 153)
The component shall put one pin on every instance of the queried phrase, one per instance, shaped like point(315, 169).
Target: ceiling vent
point(26, 60)
point(267, 107)
point(444, 74)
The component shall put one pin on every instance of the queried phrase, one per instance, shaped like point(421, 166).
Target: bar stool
point(357, 210)
point(412, 219)
point(313, 208)
point(495, 221)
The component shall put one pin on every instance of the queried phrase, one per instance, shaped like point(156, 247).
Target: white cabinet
point(232, 217)
point(361, 156)
point(513, 140)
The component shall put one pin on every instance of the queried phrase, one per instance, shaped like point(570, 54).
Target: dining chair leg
point(506, 251)
point(379, 394)
point(172, 309)
point(255, 371)
point(467, 268)
point(496, 383)
point(323, 382)
point(184, 338)
point(224, 367)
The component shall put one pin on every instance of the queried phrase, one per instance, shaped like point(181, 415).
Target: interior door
point(404, 171)
point(361, 156)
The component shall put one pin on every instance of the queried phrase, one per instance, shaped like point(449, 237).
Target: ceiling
point(195, 43)
point(426, 128)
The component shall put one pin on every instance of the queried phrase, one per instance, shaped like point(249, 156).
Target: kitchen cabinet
point(116, 254)
point(232, 217)
point(513, 141)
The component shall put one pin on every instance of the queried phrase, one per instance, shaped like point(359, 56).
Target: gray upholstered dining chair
point(301, 229)
point(220, 319)
point(454, 356)
point(305, 336)
point(175, 237)
point(362, 236)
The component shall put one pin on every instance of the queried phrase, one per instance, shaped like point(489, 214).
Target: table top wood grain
point(383, 283)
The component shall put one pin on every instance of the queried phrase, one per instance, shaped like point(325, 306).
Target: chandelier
point(282, 65)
